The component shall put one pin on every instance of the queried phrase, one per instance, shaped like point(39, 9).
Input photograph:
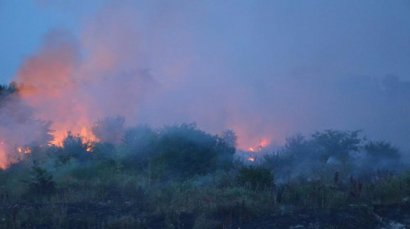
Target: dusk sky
point(262, 68)
point(338, 37)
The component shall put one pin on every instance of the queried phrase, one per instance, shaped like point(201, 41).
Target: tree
point(381, 150)
point(338, 144)
point(229, 137)
point(75, 148)
point(41, 182)
point(18, 126)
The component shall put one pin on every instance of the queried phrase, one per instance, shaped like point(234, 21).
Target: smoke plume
point(266, 70)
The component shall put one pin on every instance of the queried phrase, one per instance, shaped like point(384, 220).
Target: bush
point(75, 148)
point(255, 178)
point(139, 146)
point(41, 182)
point(184, 151)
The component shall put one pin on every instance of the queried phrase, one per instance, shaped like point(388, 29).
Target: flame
point(3, 156)
point(23, 149)
point(6, 160)
point(89, 148)
point(84, 133)
point(263, 143)
point(87, 135)
point(252, 150)
point(58, 138)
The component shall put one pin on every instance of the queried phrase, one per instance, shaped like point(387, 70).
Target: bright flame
point(87, 135)
point(264, 142)
point(58, 138)
point(84, 133)
point(24, 150)
point(90, 147)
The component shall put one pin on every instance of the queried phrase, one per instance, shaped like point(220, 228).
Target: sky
point(266, 69)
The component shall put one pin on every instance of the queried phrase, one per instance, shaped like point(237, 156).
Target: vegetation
point(182, 177)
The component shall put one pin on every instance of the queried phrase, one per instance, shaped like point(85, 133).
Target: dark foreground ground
point(386, 216)
point(126, 215)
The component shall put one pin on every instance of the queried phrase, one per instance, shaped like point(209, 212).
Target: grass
point(120, 186)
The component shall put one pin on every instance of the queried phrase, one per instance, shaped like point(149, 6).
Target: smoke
point(18, 129)
point(76, 82)
point(265, 70)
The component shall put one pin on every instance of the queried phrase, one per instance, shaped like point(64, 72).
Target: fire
point(90, 147)
point(263, 143)
point(5, 159)
point(253, 150)
point(58, 138)
point(23, 149)
point(3, 156)
point(84, 133)
point(87, 135)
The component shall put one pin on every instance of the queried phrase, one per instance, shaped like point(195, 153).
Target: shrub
point(41, 182)
point(185, 151)
point(255, 177)
point(75, 148)
point(139, 146)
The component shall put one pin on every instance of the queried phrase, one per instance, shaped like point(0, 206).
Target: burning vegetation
point(181, 115)
point(180, 173)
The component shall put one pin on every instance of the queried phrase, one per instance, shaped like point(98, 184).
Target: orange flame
point(3, 156)
point(263, 143)
point(84, 133)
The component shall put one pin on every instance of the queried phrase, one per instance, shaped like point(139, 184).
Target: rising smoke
point(264, 70)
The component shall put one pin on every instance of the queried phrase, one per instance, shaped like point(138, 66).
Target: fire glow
point(23, 150)
point(75, 80)
point(254, 150)
point(263, 143)
point(84, 133)
point(3, 156)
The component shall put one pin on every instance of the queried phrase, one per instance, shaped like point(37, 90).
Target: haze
point(266, 69)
